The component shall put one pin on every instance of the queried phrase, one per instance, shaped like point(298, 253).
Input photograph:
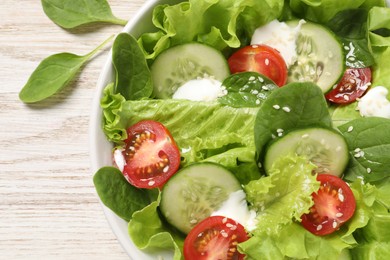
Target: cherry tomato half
point(151, 155)
point(262, 59)
point(334, 204)
point(352, 85)
point(215, 237)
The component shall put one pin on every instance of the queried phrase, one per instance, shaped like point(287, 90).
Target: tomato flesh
point(353, 85)
point(151, 155)
point(334, 204)
point(215, 237)
point(262, 59)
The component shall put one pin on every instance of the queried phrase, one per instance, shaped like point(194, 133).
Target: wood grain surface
point(48, 205)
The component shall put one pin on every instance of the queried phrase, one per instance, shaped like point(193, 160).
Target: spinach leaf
point(295, 105)
point(246, 89)
point(117, 194)
point(53, 74)
point(369, 147)
point(133, 78)
point(351, 26)
point(70, 14)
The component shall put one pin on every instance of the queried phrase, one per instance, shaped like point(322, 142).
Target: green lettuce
point(284, 195)
point(148, 232)
point(219, 23)
point(225, 135)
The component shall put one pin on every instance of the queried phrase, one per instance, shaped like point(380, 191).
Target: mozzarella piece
point(119, 159)
point(202, 89)
point(279, 36)
point(375, 103)
point(236, 208)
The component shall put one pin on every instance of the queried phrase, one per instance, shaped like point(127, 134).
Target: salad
point(244, 134)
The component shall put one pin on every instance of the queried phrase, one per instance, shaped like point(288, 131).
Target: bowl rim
point(100, 148)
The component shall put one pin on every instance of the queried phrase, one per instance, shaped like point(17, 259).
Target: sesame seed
point(223, 233)
point(224, 220)
point(334, 224)
point(252, 78)
point(260, 79)
point(357, 155)
point(341, 197)
point(350, 129)
point(339, 215)
point(279, 130)
point(151, 183)
point(319, 227)
point(166, 169)
point(277, 107)
point(264, 88)
point(346, 97)
point(254, 46)
point(286, 109)
point(257, 102)
point(266, 62)
point(368, 170)
point(357, 150)
point(193, 221)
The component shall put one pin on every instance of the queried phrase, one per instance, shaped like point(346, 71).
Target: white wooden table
point(48, 205)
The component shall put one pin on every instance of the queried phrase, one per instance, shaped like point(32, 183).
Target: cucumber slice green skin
point(195, 192)
point(320, 58)
point(325, 148)
point(179, 64)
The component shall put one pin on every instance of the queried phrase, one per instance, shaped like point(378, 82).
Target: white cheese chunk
point(202, 89)
point(279, 36)
point(375, 103)
point(236, 208)
point(119, 159)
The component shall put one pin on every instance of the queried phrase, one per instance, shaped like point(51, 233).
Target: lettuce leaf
point(219, 23)
point(323, 10)
point(203, 130)
point(284, 195)
point(148, 232)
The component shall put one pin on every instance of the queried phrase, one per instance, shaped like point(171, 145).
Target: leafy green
point(221, 24)
point(369, 146)
point(200, 129)
point(148, 232)
point(133, 78)
point(379, 19)
point(70, 14)
point(323, 10)
point(293, 106)
point(117, 194)
point(246, 89)
point(351, 26)
point(53, 74)
point(284, 195)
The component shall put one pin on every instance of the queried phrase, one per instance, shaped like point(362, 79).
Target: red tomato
point(352, 85)
point(262, 59)
point(151, 155)
point(215, 237)
point(334, 204)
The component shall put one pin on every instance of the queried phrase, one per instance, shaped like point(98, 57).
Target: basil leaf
point(133, 78)
point(246, 89)
point(119, 195)
point(53, 74)
point(369, 147)
point(70, 14)
point(293, 106)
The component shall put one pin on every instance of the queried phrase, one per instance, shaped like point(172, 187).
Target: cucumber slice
point(181, 63)
point(320, 57)
point(325, 148)
point(195, 192)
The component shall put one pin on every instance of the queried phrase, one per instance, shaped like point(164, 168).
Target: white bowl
point(100, 148)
